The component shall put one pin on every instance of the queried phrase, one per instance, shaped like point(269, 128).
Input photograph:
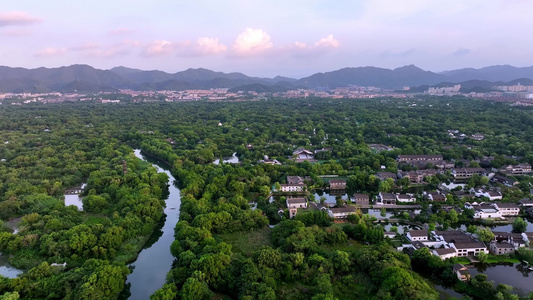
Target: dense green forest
point(46, 149)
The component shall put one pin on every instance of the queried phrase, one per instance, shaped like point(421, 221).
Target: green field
point(352, 244)
point(246, 242)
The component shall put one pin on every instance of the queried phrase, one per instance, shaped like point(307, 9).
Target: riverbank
point(154, 260)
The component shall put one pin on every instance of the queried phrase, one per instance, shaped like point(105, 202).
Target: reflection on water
point(154, 261)
point(228, 160)
point(402, 228)
point(377, 213)
point(515, 275)
point(6, 270)
point(74, 200)
point(448, 292)
point(9, 272)
point(501, 228)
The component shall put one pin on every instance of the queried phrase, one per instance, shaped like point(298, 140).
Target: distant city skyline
point(266, 38)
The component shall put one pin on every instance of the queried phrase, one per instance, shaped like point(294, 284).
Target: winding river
point(154, 261)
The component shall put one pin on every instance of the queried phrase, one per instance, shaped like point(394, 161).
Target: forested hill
point(84, 78)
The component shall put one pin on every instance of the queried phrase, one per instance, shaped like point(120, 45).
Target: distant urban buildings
point(445, 91)
point(517, 94)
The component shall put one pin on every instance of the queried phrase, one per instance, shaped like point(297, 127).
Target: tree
point(386, 185)
point(167, 292)
point(519, 225)
point(104, 283)
point(268, 257)
point(339, 202)
point(403, 182)
point(94, 203)
point(10, 296)
point(453, 216)
point(341, 261)
point(482, 257)
point(195, 288)
point(485, 234)
point(471, 228)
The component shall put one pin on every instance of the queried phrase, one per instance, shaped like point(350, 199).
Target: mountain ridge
point(16, 79)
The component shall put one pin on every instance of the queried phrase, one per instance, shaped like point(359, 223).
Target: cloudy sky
point(266, 38)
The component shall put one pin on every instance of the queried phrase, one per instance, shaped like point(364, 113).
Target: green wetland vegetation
point(226, 247)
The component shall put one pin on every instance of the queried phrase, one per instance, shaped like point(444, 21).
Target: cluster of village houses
point(297, 184)
point(485, 203)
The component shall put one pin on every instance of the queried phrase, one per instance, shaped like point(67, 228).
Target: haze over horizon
point(266, 39)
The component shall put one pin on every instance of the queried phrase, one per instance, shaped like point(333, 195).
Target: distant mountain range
point(84, 78)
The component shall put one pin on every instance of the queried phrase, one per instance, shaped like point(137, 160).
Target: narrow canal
point(154, 261)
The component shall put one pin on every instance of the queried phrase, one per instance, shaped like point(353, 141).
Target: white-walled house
point(463, 243)
point(471, 248)
point(341, 212)
point(359, 198)
point(387, 198)
point(296, 202)
point(417, 235)
point(292, 187)
point(508, 209)
point(445, 253)
point(491, 195)
point(484, 210)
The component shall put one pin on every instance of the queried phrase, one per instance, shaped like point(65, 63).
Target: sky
point(294, 38)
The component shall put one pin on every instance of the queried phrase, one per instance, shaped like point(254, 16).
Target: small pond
point(515, 275)
point(377, 212)
point(505, 227)
point(447, 292)
point(9, 272)
point(402, 228)
point(331, 196)
point(6, 270)
point(73, 198)
point(228, 160)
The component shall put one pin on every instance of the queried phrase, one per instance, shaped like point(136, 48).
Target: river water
point(155, 260)
point(516, 275)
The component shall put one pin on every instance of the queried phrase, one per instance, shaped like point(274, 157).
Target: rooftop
point(296, 200)
point(414, 233)
point(466, 245)
point(361, 196)
point(443, 251)
point(507, 205)
point(344, 209)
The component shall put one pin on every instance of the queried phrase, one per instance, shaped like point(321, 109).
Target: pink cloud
point(118, 49)
point(208, 46)
point(16, 18)
point(203, 46)
point(299, 45)
point(328, 42)
point(49, 52)
point(252, 41)
point(159, 48)
point(300, 49)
